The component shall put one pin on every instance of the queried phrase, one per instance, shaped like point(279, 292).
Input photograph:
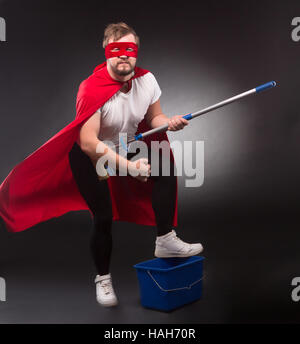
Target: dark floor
point(249, 265)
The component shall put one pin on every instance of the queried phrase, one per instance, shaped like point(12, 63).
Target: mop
point(193, 115)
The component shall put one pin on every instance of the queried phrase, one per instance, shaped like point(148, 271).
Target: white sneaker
point(169, 245)
point(105, 291)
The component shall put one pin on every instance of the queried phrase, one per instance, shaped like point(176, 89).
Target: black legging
point(96, 194)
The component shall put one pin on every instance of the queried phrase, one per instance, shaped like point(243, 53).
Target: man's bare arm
point(156, 118)
point(88, 140)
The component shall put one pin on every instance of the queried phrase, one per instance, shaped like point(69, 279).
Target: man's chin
point(124, 72)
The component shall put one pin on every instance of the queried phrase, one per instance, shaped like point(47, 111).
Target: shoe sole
point(108, 304)
point(158, 255)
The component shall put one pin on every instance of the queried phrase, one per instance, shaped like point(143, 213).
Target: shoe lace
point(176, 238)
point(107, 287)
point(182, 243)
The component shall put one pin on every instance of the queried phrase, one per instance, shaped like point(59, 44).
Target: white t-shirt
point(124, 111)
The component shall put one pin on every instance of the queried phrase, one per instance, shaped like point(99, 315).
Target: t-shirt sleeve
point(155, 89)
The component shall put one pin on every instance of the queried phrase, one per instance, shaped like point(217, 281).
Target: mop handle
point(208, 109)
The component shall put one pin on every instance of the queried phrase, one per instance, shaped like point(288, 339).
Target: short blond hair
point(117, 31)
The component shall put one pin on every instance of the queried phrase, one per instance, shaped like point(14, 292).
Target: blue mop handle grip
point(188, 116)
point(265, 86)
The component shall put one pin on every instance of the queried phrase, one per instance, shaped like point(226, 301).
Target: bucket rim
point(139, 265)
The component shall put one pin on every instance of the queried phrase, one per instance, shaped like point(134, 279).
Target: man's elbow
point(149, 120)
point(93, 148)
point(86, 146)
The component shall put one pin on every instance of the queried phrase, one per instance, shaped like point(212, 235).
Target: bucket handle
point(161, 288)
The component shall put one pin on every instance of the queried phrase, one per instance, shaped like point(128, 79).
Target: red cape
point(42, 185)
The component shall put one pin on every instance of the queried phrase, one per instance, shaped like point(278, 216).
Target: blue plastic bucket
point(169, 283)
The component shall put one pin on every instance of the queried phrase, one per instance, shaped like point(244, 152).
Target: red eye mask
point(124, 48)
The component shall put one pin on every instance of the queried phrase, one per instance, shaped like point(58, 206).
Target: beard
point(123, 72)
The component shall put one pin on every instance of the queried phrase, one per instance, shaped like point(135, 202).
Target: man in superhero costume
point(60, 176)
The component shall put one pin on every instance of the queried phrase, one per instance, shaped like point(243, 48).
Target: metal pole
point(208, 109)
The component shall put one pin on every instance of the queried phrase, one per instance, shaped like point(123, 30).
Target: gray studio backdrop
point(246, 211)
